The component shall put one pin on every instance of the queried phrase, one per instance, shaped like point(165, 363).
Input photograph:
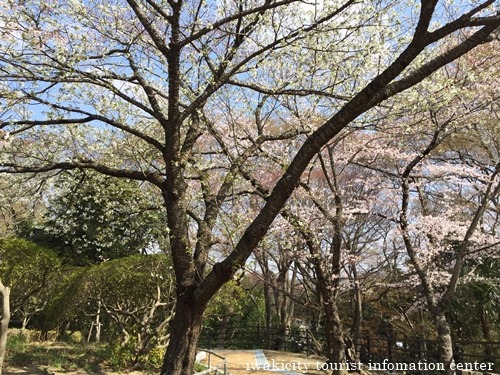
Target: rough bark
point(284, 304)
point(268, 304)
point(334, 335)
point(358, 312)
point(185, 330)
point(267, 275)
point(487, 334)
point(4, 322)
point(445, 343)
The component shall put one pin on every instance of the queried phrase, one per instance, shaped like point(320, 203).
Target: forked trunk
point(185, 330)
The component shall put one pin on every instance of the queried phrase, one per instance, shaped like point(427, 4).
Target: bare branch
point(154, 178)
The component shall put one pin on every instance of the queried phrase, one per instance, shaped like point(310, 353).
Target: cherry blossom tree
point(339, 212)
point(281, 285)
point(343, 193)
point(21, 199)
point(446, 179)
point(155, 91)
point(444, 240)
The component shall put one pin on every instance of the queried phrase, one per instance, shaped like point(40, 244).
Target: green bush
point(30, 335)
point(122, 356)
point(76, 337)
point(199, 367)
point(125, 357)
point(155, 357)
point(17, 342)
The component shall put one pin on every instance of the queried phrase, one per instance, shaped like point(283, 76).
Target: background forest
point(177, 172)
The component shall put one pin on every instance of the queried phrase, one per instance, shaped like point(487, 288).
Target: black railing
point(468, 355)
point(366, 349)
point(257, 337)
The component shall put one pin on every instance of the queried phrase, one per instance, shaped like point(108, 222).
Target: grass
point(59, 356)
point(70, 357)
point(198, 367)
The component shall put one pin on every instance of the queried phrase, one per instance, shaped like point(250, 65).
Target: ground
point(33, 370)
point(242, 362)
point(37, 371)
point(43, 358)
point(238, 363)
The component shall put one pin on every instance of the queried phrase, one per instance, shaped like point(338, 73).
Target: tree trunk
point(222, 332)
point(358, 312)
point(327, 292)
point(4, 322)
point(487, 335)
point(445, 343)
point(422, 338)
point(267, 298)
point(26, 320)
point(268, 304)
point(185, 330)
point(334, 335)
point(98, 323)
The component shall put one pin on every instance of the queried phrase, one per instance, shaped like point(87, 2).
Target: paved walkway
point(258, 362)
point(260, 359)
point(263, 363)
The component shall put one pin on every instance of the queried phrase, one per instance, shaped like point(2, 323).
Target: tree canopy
point(91, 218)
point(220, 106)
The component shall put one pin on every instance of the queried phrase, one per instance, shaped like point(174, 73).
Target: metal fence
point(367, 349)
point(376, 349)
point(217, 366)
point(259, 338)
